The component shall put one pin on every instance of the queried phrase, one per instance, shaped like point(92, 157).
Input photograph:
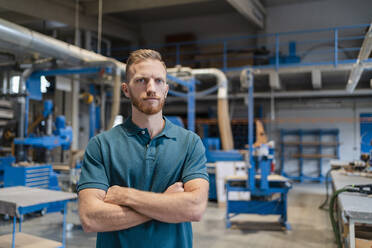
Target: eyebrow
point(148, 76)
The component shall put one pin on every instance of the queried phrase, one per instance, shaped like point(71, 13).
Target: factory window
point(44, 84)
point(14, 84)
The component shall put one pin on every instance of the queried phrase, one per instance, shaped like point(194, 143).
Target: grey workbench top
point(355, 206)
point(11, 198)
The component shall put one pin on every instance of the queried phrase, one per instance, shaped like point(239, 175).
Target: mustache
point(151, 97)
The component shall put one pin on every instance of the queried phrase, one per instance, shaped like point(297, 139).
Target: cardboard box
point(363, 243)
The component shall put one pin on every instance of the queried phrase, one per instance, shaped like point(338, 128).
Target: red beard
point(146, 108)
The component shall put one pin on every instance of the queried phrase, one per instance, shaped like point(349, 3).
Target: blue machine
point(214, 154)
point(62, 135)
point(41, 175)
point(291, 58)
point(5, 162)
point(259, 186)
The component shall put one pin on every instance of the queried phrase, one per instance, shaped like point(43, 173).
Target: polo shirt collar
point(132, 129)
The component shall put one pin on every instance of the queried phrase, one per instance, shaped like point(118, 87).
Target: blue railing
point(327, 46)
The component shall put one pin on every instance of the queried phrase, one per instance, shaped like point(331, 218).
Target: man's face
point(147, 87)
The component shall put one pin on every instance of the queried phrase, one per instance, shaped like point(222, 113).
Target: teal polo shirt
point(127, 156)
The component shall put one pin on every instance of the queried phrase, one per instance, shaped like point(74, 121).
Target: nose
point(150, 87)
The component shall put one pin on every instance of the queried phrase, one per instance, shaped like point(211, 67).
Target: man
point(144, 181)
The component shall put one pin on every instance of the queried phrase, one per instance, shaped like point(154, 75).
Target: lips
point(151, 98)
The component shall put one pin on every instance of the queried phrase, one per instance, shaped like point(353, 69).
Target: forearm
point(99, 216)
point(171, 208)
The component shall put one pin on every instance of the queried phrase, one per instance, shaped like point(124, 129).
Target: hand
point(116, 195)
point(175, 188)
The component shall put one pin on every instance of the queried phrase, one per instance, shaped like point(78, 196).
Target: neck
point(154, 123)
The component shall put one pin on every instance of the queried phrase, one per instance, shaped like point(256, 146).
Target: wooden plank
point(273, 177)
point(61, 167)
point(310, 143)
point(23, 240)
point(314, 156)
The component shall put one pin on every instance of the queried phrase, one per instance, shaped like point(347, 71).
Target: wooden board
point(310, 143)
point(61, 167)
point(23, 240)
point(273, 177)
point(314, 156)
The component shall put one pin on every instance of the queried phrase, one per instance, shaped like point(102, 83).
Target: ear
point(124, 88)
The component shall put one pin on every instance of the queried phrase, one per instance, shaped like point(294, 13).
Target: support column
point(75, 111)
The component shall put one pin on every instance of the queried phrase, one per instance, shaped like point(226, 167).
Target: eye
point(159, 80)
point(140, 80)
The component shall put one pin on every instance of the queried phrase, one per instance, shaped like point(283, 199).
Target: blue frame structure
point(257, 188)
point(35, 208)
point(303, 155)
point(277, 43)
point(190, 96)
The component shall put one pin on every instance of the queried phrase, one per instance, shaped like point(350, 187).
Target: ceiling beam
point(52, 11)
point(115, 6)
point(358, 67)
point(280, 94)
point(251, 10)
point(18, 18)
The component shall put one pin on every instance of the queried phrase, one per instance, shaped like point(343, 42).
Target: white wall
point(318, 14)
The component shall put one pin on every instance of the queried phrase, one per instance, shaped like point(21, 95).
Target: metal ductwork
point(224, 124)
point(24, 39)
point(223, 116)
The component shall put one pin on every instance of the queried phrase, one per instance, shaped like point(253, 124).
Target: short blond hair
point(140, 55)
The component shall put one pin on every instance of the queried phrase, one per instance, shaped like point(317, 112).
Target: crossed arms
point(122, 208)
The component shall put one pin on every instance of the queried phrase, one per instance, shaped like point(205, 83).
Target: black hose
point(322, 206)
point(359, 188)
point(336, 231)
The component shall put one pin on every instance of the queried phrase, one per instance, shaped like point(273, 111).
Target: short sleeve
point(195, 164)
point(93, 173)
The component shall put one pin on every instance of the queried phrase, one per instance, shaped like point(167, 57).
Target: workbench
point(270, 186)
point(353, 207)
point(17, 201)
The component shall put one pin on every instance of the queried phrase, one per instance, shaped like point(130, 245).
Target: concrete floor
point(310, 226)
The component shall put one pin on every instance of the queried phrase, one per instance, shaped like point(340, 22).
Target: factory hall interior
point(185, 123)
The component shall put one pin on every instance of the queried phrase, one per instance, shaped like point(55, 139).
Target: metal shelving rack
point(302, 145)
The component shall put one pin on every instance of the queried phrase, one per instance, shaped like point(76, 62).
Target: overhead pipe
point(358, 67)
point(224, 124)
point(30, 41)
point(288, 95)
